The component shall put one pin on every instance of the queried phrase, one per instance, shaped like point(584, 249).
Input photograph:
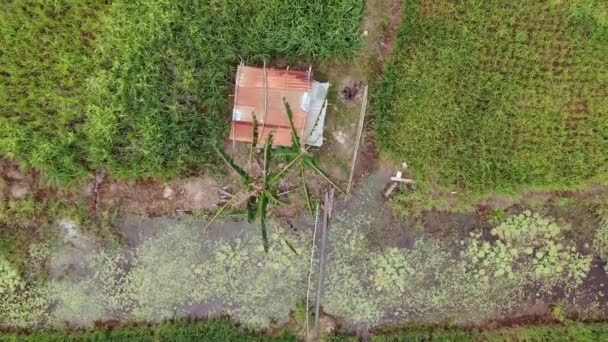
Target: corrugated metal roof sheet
point(260, 92)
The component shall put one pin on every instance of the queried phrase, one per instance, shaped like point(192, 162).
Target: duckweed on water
point(432, 281)
point(180, 271)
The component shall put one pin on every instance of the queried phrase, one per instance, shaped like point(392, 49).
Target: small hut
point(259, 93)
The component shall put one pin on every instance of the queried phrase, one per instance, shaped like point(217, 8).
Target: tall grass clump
point(46, 56)
point(493, 96)
point(142, 89)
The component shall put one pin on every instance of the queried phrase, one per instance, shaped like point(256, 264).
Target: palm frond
point(254, 142)
point(306, 192)
point(318, 118)
point(281, 173)
point(295, 139)
point(217, 214)
point(255, 134)
point(313, 165)
point(262, 207)
point(267, 155)
point(289, 244)
point(284, 154)
point(274, 198)
point(251, 208)
point(232, 165)
point(286, 241)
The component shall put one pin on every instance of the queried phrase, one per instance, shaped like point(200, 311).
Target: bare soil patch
point(154, 198)
point(16, 184)
point(381, 24)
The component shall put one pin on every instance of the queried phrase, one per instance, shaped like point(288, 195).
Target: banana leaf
point(262, 207)
point(267, 155)
point(295, 139)
point(254, 142)
point(273, 197)
point(276, 178)
point(309, 161)
point(306, 192)
point(232, 165)
point(252, 202)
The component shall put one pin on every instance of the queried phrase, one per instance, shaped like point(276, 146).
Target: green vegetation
point(224, 330)
point(494, 96)
point(600, 241)
point(477, 277)
point(212, 330)
point(568, 332)
point(173, 270)
point(529, 246)
point(22, 303)
point(23, 222)
point(45, 61)
point(262, 190)
point(142, 89)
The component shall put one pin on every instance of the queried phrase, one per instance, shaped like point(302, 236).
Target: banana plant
point(297, 152)
point(261, 190)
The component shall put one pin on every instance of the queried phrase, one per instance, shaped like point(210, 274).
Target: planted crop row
point(486, 96)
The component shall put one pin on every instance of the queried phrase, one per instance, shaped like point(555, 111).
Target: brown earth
point(142, 197)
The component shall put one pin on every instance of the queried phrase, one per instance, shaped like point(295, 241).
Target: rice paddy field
point(497, 96)
point(142, 89)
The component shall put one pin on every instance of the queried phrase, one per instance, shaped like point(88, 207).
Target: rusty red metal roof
point(259, 92)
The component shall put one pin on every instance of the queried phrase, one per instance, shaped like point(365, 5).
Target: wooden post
point(312, 255)
point(265, 102)
point(236, 94)
point(357, 140)
point(309, 90)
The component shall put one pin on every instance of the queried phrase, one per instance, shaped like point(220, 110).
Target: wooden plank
point(391, 189)
point(236, 95)
point(326, 215)
point(402, 180)
point(358, 140)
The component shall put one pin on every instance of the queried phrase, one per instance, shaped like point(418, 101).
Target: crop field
point(495, 96)
point(122, 218)
point(143, 89)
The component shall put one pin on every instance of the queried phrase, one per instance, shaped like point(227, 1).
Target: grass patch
point(567, 332)
point(212, 330)
point(224, 330)
point(482, 97)
point(143, 89)
point(46, 57)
